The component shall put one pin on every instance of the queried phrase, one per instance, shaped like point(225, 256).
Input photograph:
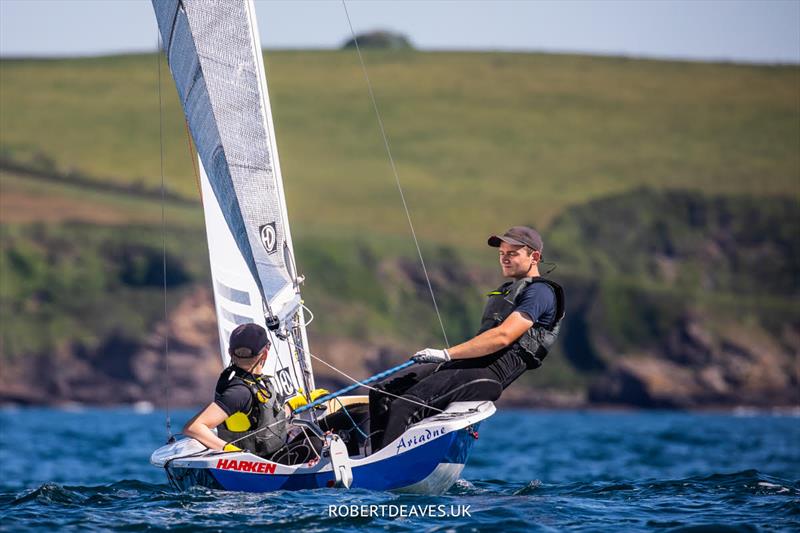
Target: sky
point(760, 31)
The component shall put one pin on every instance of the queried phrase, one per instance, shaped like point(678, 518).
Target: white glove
point(431, 355)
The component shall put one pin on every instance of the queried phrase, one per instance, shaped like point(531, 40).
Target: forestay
point(214, 52)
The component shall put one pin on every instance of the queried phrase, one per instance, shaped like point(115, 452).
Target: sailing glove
point(299, 400)
point(431, 355)
point(316, 394)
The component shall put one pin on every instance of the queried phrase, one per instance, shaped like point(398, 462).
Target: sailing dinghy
point(214, 53)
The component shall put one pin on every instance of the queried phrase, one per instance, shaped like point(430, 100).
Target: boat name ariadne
point(419, 438)
point(246, 466)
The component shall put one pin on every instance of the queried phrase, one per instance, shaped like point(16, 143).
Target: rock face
point(699, 367)
point(701, 362)
point(673, 300)
point(683, 300)
point(123, 371)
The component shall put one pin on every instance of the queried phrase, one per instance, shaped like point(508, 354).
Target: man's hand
point(431, 355)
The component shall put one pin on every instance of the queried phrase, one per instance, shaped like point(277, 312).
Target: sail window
point(233, 317)
point(234, 295)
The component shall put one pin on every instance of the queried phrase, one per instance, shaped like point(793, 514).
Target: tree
point(380, 39)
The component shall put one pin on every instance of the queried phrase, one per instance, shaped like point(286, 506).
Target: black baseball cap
point(247, 340)
point(518, 235)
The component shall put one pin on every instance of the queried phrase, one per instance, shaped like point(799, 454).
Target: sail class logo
point(269, 237)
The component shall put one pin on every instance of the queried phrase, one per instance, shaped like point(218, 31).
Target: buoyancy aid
point(265, 410)
point(535, 343)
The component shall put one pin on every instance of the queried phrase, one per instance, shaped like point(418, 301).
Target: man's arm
point(493, 339)
point(200, 426)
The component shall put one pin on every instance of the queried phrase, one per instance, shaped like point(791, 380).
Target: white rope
point(394, 171)
point(310, 320)
point(259, 430)
point(308, 439)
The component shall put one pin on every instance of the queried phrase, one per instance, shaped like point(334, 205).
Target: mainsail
point(214, 52)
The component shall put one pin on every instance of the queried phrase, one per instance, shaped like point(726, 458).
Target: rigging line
point(356, 426)
point(273, 343)
point(308, 439)
point(258, 430)
point(354, 380)
point(394, 171)
point(193, 158)
point(310, 320)
point(274, 339)
point(294, 333)
point(291, 342)
point(549, 263)
point(168, 420)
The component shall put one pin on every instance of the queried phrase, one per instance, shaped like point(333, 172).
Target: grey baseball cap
point(519, 235)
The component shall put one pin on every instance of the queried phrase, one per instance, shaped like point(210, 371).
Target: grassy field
point(481, 140)
point(24, 199)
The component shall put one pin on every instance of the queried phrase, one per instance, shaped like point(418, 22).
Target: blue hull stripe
point(395, 472)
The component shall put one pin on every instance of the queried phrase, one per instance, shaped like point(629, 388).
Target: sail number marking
point(285, 382)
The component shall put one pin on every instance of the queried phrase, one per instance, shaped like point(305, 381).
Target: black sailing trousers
point(436, 385)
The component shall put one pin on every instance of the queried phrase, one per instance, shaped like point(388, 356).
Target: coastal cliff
point(637, 333)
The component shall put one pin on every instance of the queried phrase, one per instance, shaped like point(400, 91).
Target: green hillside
point(504, 137)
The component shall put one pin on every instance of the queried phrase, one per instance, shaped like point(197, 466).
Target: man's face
point(515, 261)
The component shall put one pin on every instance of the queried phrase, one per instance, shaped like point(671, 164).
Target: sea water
point(88, 470)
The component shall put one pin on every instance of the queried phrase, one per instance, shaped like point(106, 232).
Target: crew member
point(246, 411)
point(519, 324)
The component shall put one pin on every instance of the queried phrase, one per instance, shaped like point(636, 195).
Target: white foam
point(143, 408)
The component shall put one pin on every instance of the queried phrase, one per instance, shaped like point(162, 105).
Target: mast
point(298, 332)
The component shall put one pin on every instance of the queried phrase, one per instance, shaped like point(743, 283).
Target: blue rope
point(354, 386)
point(351, 419)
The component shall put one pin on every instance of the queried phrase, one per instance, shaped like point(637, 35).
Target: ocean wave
point(57, 494)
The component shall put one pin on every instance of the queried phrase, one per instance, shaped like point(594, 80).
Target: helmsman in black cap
point(519, 324)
